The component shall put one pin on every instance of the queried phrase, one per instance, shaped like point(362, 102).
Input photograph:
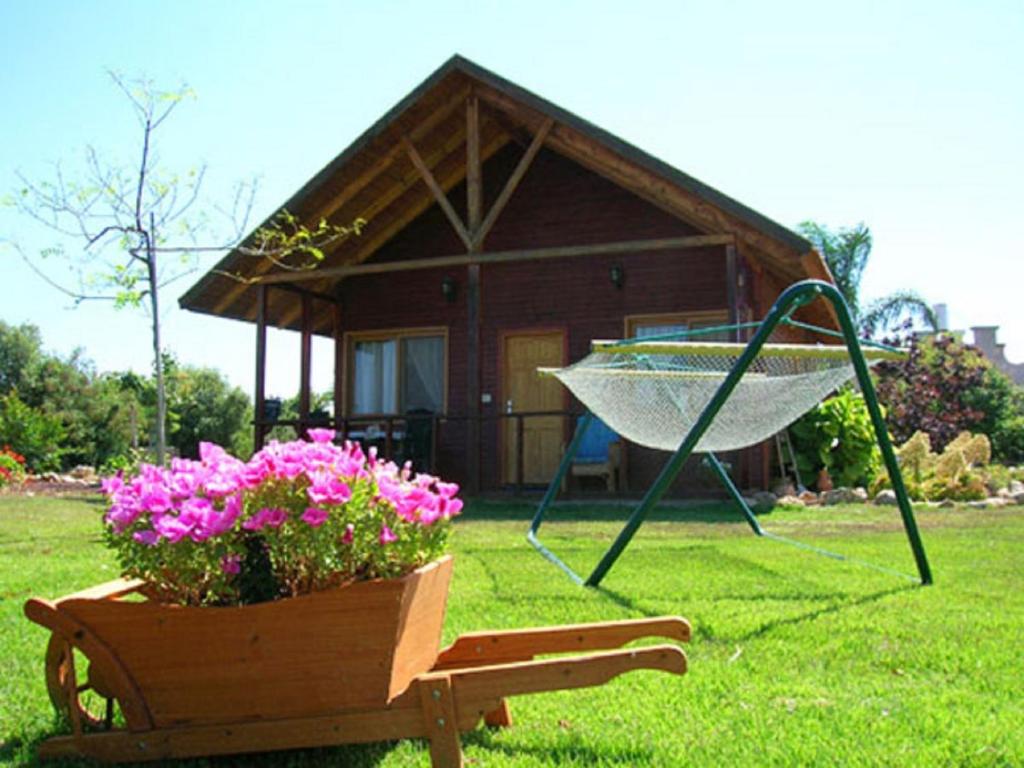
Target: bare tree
point(136, 229)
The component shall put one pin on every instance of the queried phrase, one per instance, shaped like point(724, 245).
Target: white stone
point(886, 497)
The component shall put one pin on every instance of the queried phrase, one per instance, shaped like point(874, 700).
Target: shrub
point(932, 390)
point(960, 472)
point(12, 467)
point(33, 434)
point(837, 435)
point(1000, 403)
point(296, 517)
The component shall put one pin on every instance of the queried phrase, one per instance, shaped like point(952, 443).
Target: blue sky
point(907, 116)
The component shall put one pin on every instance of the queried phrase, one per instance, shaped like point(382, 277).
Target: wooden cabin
point(503, 233)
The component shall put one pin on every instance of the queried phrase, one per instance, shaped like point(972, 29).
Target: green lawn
point(796, 659)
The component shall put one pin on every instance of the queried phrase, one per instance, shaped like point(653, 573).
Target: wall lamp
point(449, 288)
point(617, 275)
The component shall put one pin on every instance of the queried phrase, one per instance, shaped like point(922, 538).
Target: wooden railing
point(390, 431)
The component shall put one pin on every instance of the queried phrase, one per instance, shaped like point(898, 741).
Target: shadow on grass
point(577, 753)
point(708, 512)
point(817, 613)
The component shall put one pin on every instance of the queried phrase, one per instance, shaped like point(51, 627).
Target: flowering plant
point(297, 517)
point(12, 466)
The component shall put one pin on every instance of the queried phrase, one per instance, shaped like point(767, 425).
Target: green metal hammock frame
point(792, 298)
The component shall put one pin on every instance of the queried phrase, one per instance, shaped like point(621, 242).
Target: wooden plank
point(261, 365)
point(439, 195)
point(566, 673)
point(412, 207)
point(107, 590)
point(305, 358)
point(240, 738)
point(473, 360)
point(129, 696)
point(512, 184)
point(440, 720)
point(474, 648)
point(474, 173)
point(503, 257)
point(732, 290)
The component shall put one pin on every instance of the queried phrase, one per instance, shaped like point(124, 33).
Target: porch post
point(473, 208)
point(305, 361)
point(259, 428)
point(732, 290)
point(339, 368)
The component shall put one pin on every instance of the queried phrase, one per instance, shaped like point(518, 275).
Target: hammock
point(686, 396)
point(652, 393)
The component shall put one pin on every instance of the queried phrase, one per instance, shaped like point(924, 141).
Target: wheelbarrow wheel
point(96, 709)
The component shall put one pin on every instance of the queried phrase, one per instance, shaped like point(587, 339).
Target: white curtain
point(374, 380)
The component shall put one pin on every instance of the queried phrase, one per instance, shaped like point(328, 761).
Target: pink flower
point(231, 564)
point(387, 535)
point(171, 528)
point(149, 538)
point(320, 435)
point(272, 516)
point(314, 516)
point(327, 489)
point(349, 534)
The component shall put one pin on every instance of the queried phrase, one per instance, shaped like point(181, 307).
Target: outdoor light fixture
point(448, 288)
point(618, 275)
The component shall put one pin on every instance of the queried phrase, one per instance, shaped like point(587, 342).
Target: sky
point(907, 116)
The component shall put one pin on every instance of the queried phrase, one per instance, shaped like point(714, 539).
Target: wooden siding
point(558, 203)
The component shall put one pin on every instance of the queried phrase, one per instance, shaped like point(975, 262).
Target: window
point(397, 372)
point(641, 326)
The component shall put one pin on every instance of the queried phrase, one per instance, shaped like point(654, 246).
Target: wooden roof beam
point(501, 257)
point(513, 182)
point(379, 204)
point(439, 195)
point(352, 189)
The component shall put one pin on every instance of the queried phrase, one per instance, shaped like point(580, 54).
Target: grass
point(796, 659)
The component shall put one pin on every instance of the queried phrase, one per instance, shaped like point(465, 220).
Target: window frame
point(351, 338)
point(700, 318)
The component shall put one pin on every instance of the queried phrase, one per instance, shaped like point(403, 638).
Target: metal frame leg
point(792, 298)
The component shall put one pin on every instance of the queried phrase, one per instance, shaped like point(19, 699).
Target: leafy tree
point(122, 217)
point(206, 408)
point(1001, 404)
point(933, 390)
point(20, 351)
point(32, 433)
point(847, 252)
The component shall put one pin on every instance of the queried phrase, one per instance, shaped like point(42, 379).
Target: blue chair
point(599, 455)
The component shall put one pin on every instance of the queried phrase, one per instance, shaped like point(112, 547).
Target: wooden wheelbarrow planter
point(353, 665)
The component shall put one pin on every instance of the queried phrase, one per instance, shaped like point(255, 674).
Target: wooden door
point(524, 391)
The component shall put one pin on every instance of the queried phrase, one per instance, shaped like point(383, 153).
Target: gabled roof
point(375, 179)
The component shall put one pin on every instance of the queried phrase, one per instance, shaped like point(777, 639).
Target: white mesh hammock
point(652, 393)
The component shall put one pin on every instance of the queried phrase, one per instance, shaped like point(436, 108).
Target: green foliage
point(20, 353)
point(203, 407)
point(837, 435)
point(12, 467)
point(1000, 404)
point(959, 473)
point(34, 434)
point(944, 387)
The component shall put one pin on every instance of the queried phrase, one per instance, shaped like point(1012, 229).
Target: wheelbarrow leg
point(499, 717)
point(441, 720)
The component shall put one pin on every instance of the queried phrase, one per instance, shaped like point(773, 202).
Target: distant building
point(985, 340)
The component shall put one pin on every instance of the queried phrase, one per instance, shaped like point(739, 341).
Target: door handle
point(508, 406)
